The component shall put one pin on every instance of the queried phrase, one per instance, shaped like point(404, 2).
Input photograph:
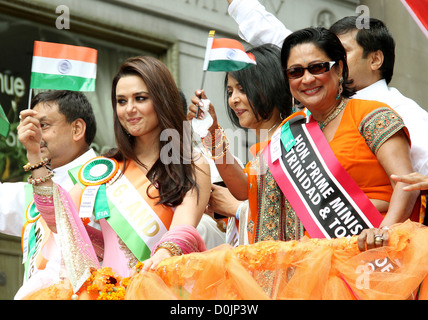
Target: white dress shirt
point(415, 118)
point(12, 196)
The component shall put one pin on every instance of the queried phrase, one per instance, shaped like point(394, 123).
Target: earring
point(339, 92)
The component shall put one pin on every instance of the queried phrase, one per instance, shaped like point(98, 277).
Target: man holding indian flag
point(69, 128)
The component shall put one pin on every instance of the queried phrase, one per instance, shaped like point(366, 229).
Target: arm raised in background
point(257, 26)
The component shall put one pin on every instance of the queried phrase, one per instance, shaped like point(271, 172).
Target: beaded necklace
point(332, 115)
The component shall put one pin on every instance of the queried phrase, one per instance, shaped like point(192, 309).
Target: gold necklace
point(275, 125)
point(332, 115)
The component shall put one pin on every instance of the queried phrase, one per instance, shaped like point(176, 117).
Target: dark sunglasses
point(316, 68)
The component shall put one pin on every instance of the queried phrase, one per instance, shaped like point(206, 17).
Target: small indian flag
point(227, 55)
point(63, 67)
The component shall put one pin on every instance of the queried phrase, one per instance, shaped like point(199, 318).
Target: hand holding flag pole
point(206, 61)
point(225, 55)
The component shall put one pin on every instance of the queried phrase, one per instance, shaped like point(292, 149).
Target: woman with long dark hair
point(148, 194)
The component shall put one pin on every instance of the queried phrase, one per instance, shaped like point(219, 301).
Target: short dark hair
point(73, 105)
point(376, 37)
point(263, 84)
point(326, 41)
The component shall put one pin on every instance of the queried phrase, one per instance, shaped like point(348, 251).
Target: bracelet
point(43, 191)
point(225, 148)
point(172, 247)
point(210, 147)
point(217, 130)
point(35, 181)
point(218, 138)
point(29, 167)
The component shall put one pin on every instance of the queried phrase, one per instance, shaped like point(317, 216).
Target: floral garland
point(104, 284)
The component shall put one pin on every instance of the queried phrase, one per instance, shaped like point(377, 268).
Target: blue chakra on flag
point(64, 66)
point(230, 54)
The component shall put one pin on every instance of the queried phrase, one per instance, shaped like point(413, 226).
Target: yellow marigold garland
point(103, 284)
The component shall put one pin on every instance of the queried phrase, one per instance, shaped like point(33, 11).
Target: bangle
point(43, 191)
point(172, 247)
point(209, 137)
point(212, 142)
point(35, 181)
point(29, 167)
point(225, 148)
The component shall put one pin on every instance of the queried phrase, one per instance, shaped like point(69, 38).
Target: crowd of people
point(144, 210)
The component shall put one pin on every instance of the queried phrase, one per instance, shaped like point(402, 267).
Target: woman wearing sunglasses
point(368, 138)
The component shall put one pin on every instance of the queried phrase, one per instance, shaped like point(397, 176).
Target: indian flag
point(226, 55)
point(63, 67)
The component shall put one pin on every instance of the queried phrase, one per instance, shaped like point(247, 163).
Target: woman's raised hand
point(196, 104)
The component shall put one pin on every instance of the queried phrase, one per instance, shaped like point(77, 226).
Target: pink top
point(114, 256)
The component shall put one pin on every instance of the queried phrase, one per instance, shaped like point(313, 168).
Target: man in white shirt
point(370, 55)
point(68, 128)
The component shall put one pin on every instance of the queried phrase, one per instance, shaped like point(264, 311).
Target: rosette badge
point(98, 171)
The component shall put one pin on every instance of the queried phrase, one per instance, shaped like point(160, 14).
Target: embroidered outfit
point(117, 255)
point(46, 268)
point(364, 127)
point(131, 216)
point(270, 216)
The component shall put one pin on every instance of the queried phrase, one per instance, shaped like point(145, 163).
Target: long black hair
point(263, 84)
point(173, 179)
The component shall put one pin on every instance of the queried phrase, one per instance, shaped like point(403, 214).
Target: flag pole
point(203, 79)
point(206, 60)
point(30, 92)
point(29, 97)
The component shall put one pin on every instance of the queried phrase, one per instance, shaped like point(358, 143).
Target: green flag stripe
point(61, 82)
point(227, 65)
